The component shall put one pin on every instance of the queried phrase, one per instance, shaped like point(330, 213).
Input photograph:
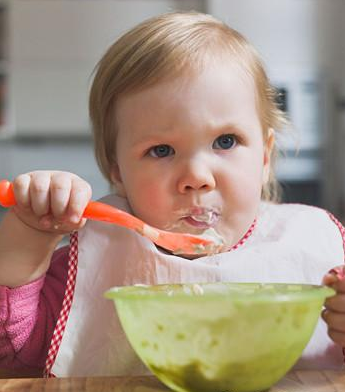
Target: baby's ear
point(268, 148)
point(117, 180)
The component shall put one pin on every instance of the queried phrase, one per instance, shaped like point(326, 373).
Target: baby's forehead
point(213, 98)
point(192, 70)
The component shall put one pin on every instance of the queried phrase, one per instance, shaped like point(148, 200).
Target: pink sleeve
point(28, 315)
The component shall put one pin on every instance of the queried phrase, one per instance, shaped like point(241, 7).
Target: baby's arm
point(49, 205)
point(334, 313)
point(28, 317)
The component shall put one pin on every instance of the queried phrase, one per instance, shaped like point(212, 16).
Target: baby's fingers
point(21, 188)
point(336, 303)
point(79, 198)
point(60, 190)
point(336, 279)
point(40, 193)
point(334, 320)
point(337, 336)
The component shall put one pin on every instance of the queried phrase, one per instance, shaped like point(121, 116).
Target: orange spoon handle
point(94, 209)
point(106, 213)
point(6, 194)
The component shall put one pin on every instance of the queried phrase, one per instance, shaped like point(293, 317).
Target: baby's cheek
point(153, 208)
point(249, 195)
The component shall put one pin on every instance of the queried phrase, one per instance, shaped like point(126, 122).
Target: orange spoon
point(178, 243)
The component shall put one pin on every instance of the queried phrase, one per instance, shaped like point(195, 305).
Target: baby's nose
point(196, 175)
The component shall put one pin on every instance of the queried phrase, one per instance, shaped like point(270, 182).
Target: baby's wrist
point(18, 231)
point(25, 252)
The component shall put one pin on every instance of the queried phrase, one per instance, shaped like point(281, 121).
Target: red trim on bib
point(341, 229)
point(245, 237)
point(66, 305)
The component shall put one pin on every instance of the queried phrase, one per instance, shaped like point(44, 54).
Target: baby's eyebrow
point(226, 128)
point(149, 139)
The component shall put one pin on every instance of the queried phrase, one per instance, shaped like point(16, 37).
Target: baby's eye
point(161, 151)
point(224, 142)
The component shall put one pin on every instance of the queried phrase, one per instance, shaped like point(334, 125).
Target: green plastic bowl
point(219, 337)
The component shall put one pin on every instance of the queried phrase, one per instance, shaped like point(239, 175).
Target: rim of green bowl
point(255, 292)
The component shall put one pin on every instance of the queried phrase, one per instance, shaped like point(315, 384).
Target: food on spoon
point(216, 244)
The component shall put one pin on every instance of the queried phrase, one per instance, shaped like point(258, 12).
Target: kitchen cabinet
point(53, 49)
point(66, 154)
point(4, 71)
point(303, 49)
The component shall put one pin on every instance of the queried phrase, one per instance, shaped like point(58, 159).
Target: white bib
point(291, 244)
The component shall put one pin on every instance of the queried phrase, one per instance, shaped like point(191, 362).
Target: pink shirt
point(28, 315)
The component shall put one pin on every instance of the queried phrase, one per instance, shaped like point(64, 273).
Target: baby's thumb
point(329, 279)
point(335, 278)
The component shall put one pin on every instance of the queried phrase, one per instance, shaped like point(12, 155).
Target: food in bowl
point(217, 337)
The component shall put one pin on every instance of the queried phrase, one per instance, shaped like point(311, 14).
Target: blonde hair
point(161, 48)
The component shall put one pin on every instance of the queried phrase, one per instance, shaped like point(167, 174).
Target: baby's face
point(191, 154)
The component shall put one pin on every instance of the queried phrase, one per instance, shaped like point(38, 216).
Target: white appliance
point(304, 95)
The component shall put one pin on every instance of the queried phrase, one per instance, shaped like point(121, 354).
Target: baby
point(184, 123)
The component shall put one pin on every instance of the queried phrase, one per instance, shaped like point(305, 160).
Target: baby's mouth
point(201, 218)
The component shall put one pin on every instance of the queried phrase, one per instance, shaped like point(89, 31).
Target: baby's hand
point(51, 201)
point(334, 313)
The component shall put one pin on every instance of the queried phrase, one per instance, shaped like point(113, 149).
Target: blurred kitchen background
point(48, 49)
